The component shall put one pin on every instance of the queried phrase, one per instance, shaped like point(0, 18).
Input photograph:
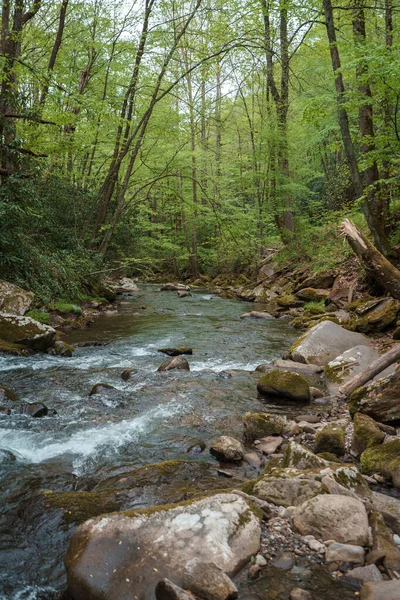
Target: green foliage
point(39, 315)
point(65, 307)
point(315, 307)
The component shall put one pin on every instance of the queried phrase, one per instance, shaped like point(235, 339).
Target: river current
point(151, 417)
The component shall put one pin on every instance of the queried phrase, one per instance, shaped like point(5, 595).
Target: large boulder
point(366, 434)
point(287, 490)
point(389, 508)
point(330, 517)
point(284, 384)
point(300, 457)
point(127, 286)
point(383, 459)
point(378, 399)
point(13, 299)
point(347, 365)
point(25, 331)
point(324, 279)
point(176, 362)
point(124, 555)
point(312, 295)
point(323, 342)
point(258, 425)
point(376, 315)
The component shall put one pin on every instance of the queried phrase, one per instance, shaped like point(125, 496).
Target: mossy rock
point(329, 457)
point(378, 317)
point(378, 399)
point(78, 507)
point(15, 349)
point(284, 384)
point(366, 434)
point(26, 331)
point(61, 348)
point(384, 550)
point(300, 457)
point(383, 459)
point(289, 301)
point(312, 295)
point(258, 425)
point(330, 439)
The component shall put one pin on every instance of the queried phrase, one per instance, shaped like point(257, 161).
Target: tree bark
point(373, 261)
point(55, 49)
point(379, 365)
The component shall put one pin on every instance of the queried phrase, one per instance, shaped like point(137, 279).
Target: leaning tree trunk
point(373, 261)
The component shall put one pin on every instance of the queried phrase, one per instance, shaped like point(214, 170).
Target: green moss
point(383, 459)
point(248, 486)
point(78, 507)
point(330, 439)
point(367, 432)
point(11, 348)
point(286, 384)
point(315, 308)
point(65, 307)
point(39, 315)
point(257, 425)
point(329, 456)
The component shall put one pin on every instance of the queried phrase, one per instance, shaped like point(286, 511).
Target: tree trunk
point(54, 52)
point(373, 261)
point(379, 365)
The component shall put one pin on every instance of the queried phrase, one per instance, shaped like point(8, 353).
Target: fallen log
point(374, 262)
point(379, 365)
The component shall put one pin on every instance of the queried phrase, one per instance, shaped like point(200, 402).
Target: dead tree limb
point(374, 262)
point(379, 365)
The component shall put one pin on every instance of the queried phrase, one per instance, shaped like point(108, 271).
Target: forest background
point(187, 136)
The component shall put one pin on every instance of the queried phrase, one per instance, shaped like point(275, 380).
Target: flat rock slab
point(124, 555)
point(291, 365)
point(323, 342)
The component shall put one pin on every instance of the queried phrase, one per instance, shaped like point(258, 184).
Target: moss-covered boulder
point(378, 399)
point(300, 457)
point(284, 384)
point(25, 331)
point(323, 279)
point(323, 342)
point(116, 555)
point(16, 349)
point(287, 490)
point(13, 299)
point(312, 295)
point(258, 425)
point(384, 550)
point(366, 434)
point(289, 301)
point(374, 316)
point(77, 507)
point(383, 459)
point(330, 439)
point(61, 348)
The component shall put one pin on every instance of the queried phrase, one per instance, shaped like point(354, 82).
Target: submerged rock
point(254, 314)
point(127, 374)
point(112, 556)
point(26, 332)
point(176, 351)
point(176, 362)
point(258, 425)
point(13, 299)
point(227, 449)
point(102, 388)
point(378, 399)
point(323, 342)
point(7, 395)
point(330, 517)
point(383, 459)
point(284, 384)
point(34, 409)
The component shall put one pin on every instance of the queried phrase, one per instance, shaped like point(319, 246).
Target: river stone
point(254, 314)
point(384, 550)
point(176, 351)
point(361, 575)
point(330, 439)
point(284, 384)
point(389, 508)
point(383, 590)
point(258, 425)
point(291, 365)
point(312, 294)
point(300, 457)
point(208, 581)
point(176, 362)
point(287, 491)
point(127, 286)
point(7, 395)
point(376, 316)
point(172, 287)
point(166, 590)
point(366, 434)
point(13, 299)
point(378, 399)
point(227, 449)
point(383, 459)
point(347, 553)
point(269, 445)
point(299, 594)
point(329, 517)
point(127, 374)
point(323, 342)
point(26, 331)
point(124, 554)
point(34, 409)
point(102, 388)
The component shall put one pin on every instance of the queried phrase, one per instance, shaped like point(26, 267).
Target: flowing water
point(151, 417)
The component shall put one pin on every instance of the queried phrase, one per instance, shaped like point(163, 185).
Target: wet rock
point(345, 553)
point(366, 434)
point(376, 316)
point(208, 581)
point(176, 351)
point(316, 392)
point(34, 409)
point(361, 575)
point(254, 314)
point(166, 590)
point(258, 425)
point(7, 395)
point(300, 594)
point(13, 299)
point(26, 331)
point(378, 399)
point(313, 294)
point(183, 294)
point(176, 362)
point(172, 287)
point(127, 374)
point(269, 445)
point(383, 459)
point(227, 449)
point(389, 508)
point(284, 384)
point(127, 286)
point(284, 560)
point(330, 517)
point(307, 418)
point(323, 342)
point(101, 388)
point(384, 550)
point(61, 349)
point(140, 547)
point(384, 590)
point(197, 448)
point(330, 439)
